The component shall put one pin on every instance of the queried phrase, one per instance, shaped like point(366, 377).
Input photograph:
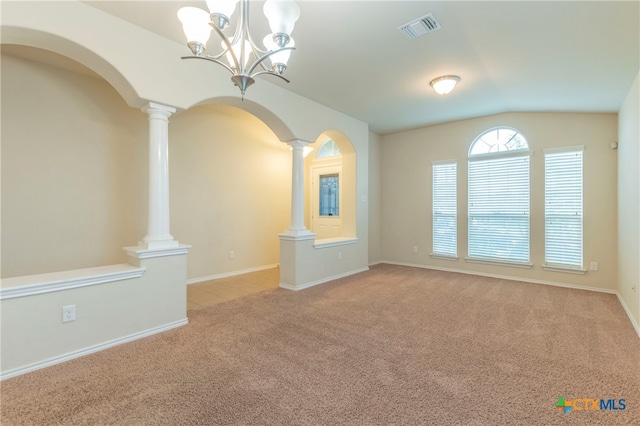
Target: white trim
point(323, 280)
point(444, 257)
point(565, 269)
point(499, 263)
point(144, 253)
point(231, 274)
point(91, 349)
point(454, 161)
point(504, 154)
point(31, 285)
point(505, 277)
point(575, 148)
point(634, 323)
point(303, 235)
point(333, 242)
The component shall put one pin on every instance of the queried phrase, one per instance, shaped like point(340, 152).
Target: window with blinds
point(445, 217)
point(499, 206)
point(563, 208)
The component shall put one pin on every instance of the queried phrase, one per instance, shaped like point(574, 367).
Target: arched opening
point(230, 182)
point(73, 166)
point(331, 179)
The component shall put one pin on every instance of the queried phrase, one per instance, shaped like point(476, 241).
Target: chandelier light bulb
point(445, 84)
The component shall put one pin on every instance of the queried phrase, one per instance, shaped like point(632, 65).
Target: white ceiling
point(579, 56)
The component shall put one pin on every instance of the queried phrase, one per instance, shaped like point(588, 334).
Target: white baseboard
point(526, 280)
point(323, 280)
point(505, 277)
point(628, 311)
point(230, 274)
point(95, 348)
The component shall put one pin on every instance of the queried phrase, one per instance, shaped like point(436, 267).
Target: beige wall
point(406, 191)
point(629, 202)
point(375, 199)
point(73, 170)
point(74, 177)
point(230, 189)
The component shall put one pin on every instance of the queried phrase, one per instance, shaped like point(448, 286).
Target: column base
point(297, 234)
point(141, 251)
point(156, 245)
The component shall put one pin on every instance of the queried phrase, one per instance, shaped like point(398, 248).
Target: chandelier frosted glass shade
point(282, 16)
point(240, 55)
point(195, 24)
point(445, 84)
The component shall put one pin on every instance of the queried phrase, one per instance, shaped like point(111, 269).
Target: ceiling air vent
point(420, 26)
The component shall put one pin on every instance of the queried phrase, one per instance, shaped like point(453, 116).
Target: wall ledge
point(146, 253)
point(30, 285)
point(333, 242)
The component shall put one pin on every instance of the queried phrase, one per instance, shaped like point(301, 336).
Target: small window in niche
point(328, 149)
point(329, 197)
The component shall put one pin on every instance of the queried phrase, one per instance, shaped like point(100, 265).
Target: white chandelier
point(244, 58)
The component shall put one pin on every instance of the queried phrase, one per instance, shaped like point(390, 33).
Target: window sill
point(565, 269)
point(333, 242)
point(444, 257)
point(500, 263)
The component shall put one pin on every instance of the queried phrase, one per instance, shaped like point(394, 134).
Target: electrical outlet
point(415, 249)
point(232, 255)
point(339, 255)
point(68, 313)
point(593, 266)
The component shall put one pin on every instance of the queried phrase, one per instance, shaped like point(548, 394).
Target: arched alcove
point(74, 163)
point(52, 43)
point(342, 169)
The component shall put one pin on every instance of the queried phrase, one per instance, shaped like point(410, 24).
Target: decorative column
point(296, 243)
point(158, 236)
point(297, 227)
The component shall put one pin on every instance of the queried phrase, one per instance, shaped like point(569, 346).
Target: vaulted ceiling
point(578, 56)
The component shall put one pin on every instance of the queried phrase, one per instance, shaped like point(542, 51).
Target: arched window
point(328, 149)
point(499, 208)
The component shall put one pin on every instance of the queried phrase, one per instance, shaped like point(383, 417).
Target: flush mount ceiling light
point(240, 55)
point(445, 84)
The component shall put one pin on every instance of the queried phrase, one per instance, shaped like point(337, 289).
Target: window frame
point(549, 263)
point(434, 252)
point(522, 254)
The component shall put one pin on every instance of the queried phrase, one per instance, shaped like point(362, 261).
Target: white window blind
point(445, 218)
point(563, 207)
point(499, 209)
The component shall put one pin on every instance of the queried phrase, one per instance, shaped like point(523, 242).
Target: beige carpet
point(394, 345)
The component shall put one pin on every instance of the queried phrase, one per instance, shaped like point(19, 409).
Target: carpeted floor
point(394, 345)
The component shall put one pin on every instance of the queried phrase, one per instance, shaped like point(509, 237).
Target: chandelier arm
point(229, 49)
point(265, 56)
point(211, 59)
point(270, 73)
